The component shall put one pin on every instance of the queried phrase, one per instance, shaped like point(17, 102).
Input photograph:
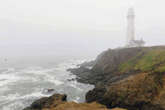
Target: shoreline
point(127, 78)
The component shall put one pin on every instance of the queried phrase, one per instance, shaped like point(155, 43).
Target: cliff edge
point(132, 78)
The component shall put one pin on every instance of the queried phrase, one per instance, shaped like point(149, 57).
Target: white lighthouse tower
point(131, 42)
point(130, 25)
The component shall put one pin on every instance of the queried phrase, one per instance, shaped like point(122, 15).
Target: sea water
point(22, 85)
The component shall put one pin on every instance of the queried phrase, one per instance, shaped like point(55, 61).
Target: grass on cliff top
point(146, 60)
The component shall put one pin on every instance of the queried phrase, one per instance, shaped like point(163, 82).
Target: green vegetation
point(146, 60)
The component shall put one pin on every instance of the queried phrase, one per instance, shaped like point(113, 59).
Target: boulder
point(47, 102)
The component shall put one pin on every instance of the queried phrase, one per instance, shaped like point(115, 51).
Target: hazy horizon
point(75, 27)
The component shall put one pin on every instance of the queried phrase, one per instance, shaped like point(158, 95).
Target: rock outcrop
point(58, 102)
point(80, 106)
point(47, 102)
point(132, 78)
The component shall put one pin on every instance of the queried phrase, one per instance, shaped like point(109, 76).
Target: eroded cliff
point(133, 78)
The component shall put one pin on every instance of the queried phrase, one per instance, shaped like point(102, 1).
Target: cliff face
point(58, 102)
point(132, 78)
point(106, 66)
point(117, 64)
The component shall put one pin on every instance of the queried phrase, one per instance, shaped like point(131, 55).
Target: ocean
point(22, 84)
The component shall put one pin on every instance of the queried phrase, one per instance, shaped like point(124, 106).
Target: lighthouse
point(130, 25)
point(130, 40)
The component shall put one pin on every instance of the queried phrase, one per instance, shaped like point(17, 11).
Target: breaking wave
point(21, 86)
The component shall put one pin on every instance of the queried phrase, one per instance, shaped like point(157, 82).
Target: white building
point(131, 42)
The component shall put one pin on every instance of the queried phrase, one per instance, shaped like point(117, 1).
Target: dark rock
point(58, 102)
point(96, 94)
point(73, 79)
point(47, 102)
point(133, 77)
point(50, 90)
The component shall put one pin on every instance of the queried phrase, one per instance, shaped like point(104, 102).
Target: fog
point(76, 28)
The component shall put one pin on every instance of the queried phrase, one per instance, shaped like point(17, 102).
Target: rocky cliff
point(131, 78)
point(116, 64)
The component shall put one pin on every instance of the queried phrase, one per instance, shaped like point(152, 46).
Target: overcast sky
point(65, 27)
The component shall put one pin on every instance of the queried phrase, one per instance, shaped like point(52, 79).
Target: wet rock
point(73, 79)
point(48, 91)
point(96, 94)
point(47, 102)
point(58, 102)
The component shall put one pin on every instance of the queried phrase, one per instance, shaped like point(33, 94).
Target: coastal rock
point(80, 106)
point(143, 91)
point(131, 78)
point(58, 102)
point(105, 68)
point(47, 102)
point(48, 91)
point(134, 78)
point(96, 94)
